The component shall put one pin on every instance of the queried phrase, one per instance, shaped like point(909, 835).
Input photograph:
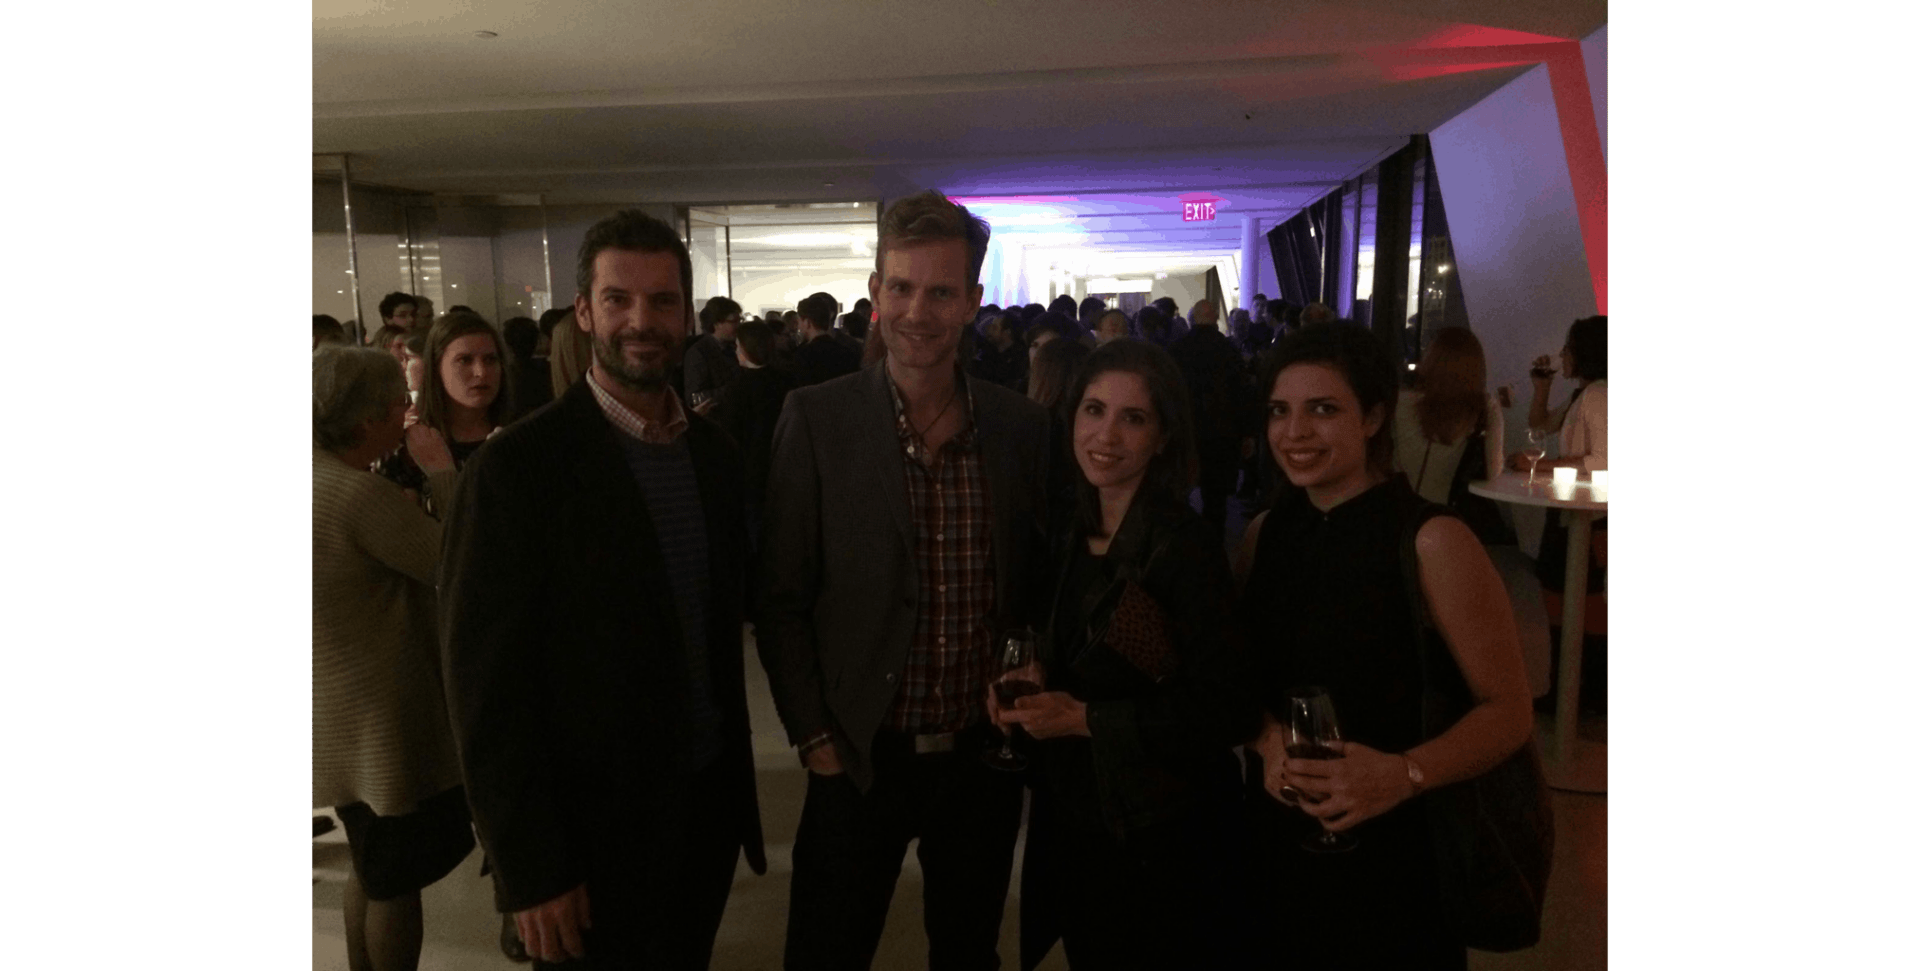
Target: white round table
point(1573, 767)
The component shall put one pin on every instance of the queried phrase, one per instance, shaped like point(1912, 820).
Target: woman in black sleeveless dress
point(1324, 603)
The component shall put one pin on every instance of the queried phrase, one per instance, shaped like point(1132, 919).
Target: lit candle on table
point(1564, 479)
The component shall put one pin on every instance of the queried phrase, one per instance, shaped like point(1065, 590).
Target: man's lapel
point(880, 431)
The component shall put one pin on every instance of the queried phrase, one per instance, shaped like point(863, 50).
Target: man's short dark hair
point(819, 309)
point(928, 217)
point(552, 317)
point(1091, 309)
point(461, 308)
point(392, 301)
point(715, 309)
point(522, 336)
point(631, 229)
point(755, 339)
point(862, 305)
point(1064, 305)
point(1052, 322)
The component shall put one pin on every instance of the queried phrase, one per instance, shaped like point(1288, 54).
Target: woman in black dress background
point(1137, 843)
point(1325, 603)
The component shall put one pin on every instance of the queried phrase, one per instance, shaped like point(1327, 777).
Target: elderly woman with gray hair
point(382, 751)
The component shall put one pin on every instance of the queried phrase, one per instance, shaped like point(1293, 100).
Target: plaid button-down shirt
point(630, 421)
point(951, 658)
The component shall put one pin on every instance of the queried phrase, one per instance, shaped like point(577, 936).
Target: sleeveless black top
point(1326, 604)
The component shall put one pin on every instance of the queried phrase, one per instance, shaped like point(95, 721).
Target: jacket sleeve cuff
point(812, 742)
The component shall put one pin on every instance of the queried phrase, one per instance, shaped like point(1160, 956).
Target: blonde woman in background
point(1448, 430)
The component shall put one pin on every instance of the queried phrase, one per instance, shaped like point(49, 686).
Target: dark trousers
point(660, 875)
point(847, 856)
point(1172, 895)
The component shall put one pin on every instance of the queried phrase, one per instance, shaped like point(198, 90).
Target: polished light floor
point(462, 930)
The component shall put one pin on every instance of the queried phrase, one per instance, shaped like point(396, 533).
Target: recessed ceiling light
point(827, 184)
point(484, 34)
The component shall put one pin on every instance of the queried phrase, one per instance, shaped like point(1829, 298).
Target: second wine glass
point(1312, 733)
point(1536, 450)
point(1017, 680)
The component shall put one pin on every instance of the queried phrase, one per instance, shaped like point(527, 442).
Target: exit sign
point(1196, 212)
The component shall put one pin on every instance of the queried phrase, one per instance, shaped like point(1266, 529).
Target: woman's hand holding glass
point(1345, 792)
point(1049, 714)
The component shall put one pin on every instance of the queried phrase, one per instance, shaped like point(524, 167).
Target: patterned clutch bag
point(1137, 631)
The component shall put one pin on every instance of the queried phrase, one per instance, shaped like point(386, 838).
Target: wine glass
point(1311, 731)
point(1016, 681)
point(1536, 450)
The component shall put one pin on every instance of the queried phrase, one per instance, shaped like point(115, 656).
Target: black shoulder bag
point(1492, 834)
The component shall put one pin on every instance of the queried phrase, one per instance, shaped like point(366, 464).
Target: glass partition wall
point(770, 257)
point(509, 256)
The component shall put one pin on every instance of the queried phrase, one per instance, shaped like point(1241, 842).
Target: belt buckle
point(935, 744)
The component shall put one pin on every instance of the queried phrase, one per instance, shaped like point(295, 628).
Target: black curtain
point(1305, 252)
point(1296, 259)
point(1441, 302)
point(1392, 240)
point(1332, 225)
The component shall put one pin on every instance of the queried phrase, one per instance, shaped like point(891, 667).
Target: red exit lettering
point(1197, 212)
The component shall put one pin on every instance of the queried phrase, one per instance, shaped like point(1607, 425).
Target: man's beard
point(635, 377)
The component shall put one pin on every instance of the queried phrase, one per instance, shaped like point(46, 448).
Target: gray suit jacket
point(840, 579)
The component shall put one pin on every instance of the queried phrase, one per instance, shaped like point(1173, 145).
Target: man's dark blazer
point(558, 636)
point(840, 590)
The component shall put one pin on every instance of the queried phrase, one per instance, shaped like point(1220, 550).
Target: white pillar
point(1249, 267)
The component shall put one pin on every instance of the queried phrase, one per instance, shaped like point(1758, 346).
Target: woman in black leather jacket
point(1136, 838)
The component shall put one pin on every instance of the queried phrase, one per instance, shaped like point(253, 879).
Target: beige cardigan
point(380, 728)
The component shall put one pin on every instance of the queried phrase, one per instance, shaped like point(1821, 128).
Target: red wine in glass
point(1312, 728)
point(1016, 654)
point(1013, 689)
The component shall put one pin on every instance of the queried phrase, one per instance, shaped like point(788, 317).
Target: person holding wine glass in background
point(1582, 425)
point(1582, 420)
point(1137, 844)
point(1326, 602)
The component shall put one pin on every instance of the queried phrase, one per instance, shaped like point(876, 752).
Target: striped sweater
point(380, 728)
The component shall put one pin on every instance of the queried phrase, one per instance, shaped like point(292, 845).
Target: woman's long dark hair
point(1170, 474)
point(1587, 341)
point(1360, 357)
point(451, 327)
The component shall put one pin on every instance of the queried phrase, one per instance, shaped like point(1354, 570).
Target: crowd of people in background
point(885, 490)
